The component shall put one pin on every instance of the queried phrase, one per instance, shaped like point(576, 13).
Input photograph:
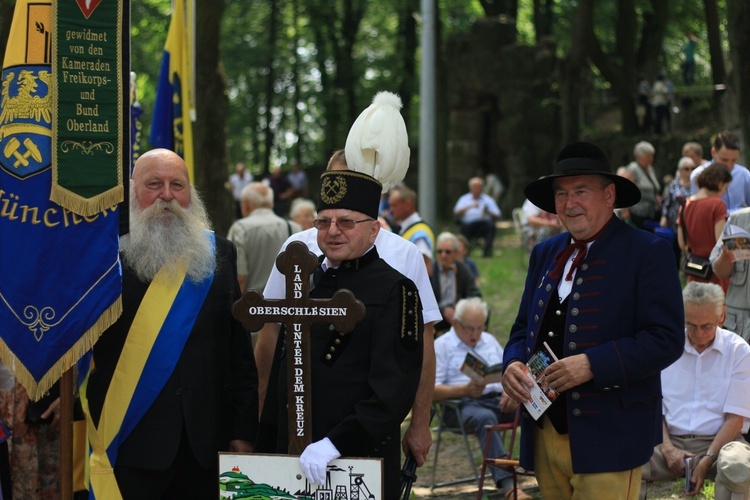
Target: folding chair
point(506, 462)
point(519, 219)
point(442, 407)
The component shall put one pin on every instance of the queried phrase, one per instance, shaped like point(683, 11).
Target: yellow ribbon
point(144, 330)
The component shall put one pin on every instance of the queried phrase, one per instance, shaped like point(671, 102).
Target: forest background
point(280, 81)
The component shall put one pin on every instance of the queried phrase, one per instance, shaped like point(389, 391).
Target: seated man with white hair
point(481, 404)
point(706, 402)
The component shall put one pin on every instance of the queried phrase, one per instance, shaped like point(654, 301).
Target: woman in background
point(702, 219)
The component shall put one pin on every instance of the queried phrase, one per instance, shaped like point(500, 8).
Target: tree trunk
point(406, 47)
point(652, 38)
point(619, 68)
point(299, 145)
point(571, 69)
point(713, 29)
point(212, 107)
point(738, 15)
point(270, 80)
point(543, 18)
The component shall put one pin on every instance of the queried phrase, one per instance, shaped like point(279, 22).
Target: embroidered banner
point(59, 271)
point(91, 133)
point(171, 127)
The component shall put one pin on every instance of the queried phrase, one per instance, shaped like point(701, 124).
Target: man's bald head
point(161, 174)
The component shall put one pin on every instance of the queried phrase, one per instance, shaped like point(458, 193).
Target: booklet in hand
point(478, 370)
point(542, 395)
point(737, 242)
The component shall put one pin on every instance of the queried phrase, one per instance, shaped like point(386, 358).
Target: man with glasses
point(403, 256)
point(363, 382)
point(706, 402)
point(605, 297)
point(481, 404)
point(451, 279)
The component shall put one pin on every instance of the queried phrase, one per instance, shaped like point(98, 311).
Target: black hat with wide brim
point(581, 158)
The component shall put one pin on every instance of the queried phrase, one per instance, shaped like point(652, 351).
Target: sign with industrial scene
point(244, 475)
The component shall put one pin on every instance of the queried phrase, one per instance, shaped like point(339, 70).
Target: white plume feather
point(378, 144)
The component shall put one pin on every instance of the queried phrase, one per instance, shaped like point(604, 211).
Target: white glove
point(314, 460)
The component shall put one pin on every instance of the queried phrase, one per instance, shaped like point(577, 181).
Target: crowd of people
point(656, 372)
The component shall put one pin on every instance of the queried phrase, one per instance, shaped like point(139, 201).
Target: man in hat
point(706, 401)
point(364, 382)
point(406, 258)
point(605, 298)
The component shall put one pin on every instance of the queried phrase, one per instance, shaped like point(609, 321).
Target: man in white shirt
point(403, 256)
point(725, 149)
point(481, 404)
point(477, 213)
point(706, 402)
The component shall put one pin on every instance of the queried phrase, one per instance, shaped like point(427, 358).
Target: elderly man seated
point(451, 279)
point(477, 213)
point(706, 402)
point(481, 404)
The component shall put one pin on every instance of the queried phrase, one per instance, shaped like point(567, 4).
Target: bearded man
point(174, 379)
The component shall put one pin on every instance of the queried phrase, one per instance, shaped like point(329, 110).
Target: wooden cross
point(298, 311)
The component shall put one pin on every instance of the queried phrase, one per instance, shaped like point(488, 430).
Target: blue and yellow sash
point(157, 336)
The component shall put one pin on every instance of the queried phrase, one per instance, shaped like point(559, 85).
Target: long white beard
point(167, 236)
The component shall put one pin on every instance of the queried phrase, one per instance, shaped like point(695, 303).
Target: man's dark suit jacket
point(466, 285)
point(625, 313)
point(212, 392)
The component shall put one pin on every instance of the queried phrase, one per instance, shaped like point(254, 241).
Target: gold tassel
point(86, 207)
point(70, 358)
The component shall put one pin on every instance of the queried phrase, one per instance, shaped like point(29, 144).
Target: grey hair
point(703, 293)
point(258, 195)
point(643, 148)
point(471, 304)
point(299, 205)
point(684, 161)
point(447, 236)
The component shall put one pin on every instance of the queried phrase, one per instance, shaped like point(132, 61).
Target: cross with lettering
point(298, 311)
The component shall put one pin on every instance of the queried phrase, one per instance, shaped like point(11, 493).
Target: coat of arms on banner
point(26, 121)
point(243, 475)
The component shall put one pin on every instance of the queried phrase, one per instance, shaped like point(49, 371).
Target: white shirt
point(450, 352)
point(699, 389)
point(738, 192)
point(472, 214)
point(398, 253)
point(238, 183)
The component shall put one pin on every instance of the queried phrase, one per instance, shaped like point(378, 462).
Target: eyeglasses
point(444, 250)
point(687, 169)
point(704, 328)
point(470, 329)
point(342, 224)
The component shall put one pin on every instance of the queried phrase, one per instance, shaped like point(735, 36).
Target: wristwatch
point(711, 455)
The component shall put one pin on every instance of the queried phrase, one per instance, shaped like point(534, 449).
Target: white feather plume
point(378, 144)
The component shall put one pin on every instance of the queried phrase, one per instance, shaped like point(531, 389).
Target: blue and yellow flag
point(171, 127)
point(60, 276)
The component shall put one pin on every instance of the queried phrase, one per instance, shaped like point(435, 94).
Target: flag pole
point(66, 435)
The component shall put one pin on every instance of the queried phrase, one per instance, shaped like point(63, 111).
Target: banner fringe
point(66, 361)
point(86, 207)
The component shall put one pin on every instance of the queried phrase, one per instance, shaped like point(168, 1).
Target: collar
point(719, 344)
point(410, 221)
point(445, 269)
point(456, 341)
point(370, 256)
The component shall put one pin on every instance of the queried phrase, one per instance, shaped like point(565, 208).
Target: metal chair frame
point(506, 462)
